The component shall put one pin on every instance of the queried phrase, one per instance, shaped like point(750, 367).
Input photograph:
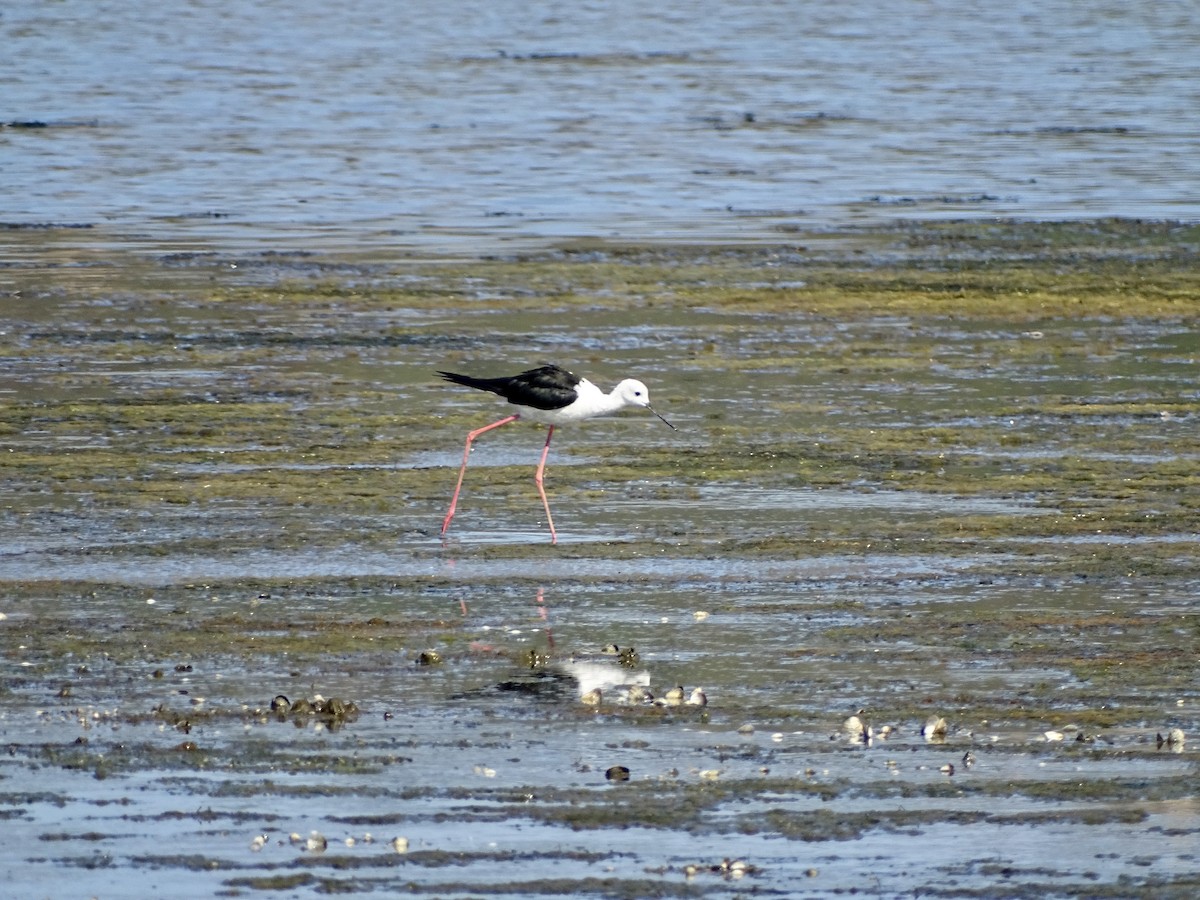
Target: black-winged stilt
point(552, 396)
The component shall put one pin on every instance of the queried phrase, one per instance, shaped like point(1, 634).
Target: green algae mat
point(929, 472)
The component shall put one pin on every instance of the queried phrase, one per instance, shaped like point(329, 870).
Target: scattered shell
point(699, 615)
point(710, 774)
point(1175, 739)
point(628, 658)
point(934, 728)
point(335, 709)
point(857, 730)
point(639, 694)
point(336, 706)
point(729, 868)
point(1053, 735)
point(316, 842)
point(533, 659)
point(734, 869)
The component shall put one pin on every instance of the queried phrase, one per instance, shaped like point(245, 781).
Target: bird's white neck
point(595, 402)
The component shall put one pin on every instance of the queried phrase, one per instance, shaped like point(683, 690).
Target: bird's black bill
point(668, 424)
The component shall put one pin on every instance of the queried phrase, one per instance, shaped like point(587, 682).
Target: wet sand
point(925, 471)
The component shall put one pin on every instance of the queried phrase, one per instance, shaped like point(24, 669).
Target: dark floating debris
point(206, 214)
point(42, 226)
point(591, 58)
point(944, 199)
point(37, 124)
point(1084, 129)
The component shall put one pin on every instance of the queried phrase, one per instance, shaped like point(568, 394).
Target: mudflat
point(922, 472)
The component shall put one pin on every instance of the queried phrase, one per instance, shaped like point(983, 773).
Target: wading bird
point(552, 396)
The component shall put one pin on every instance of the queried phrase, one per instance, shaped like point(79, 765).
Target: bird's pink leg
point(541, 490)
point(466, 456)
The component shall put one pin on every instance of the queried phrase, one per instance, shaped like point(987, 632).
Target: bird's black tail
point(495, 385)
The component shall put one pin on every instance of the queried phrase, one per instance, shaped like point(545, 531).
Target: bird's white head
point(632, 392)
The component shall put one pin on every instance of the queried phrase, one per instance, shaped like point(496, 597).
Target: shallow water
point(481, 125)
point(215, 492)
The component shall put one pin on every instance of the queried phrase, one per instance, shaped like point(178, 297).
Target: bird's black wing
point(547, 387)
